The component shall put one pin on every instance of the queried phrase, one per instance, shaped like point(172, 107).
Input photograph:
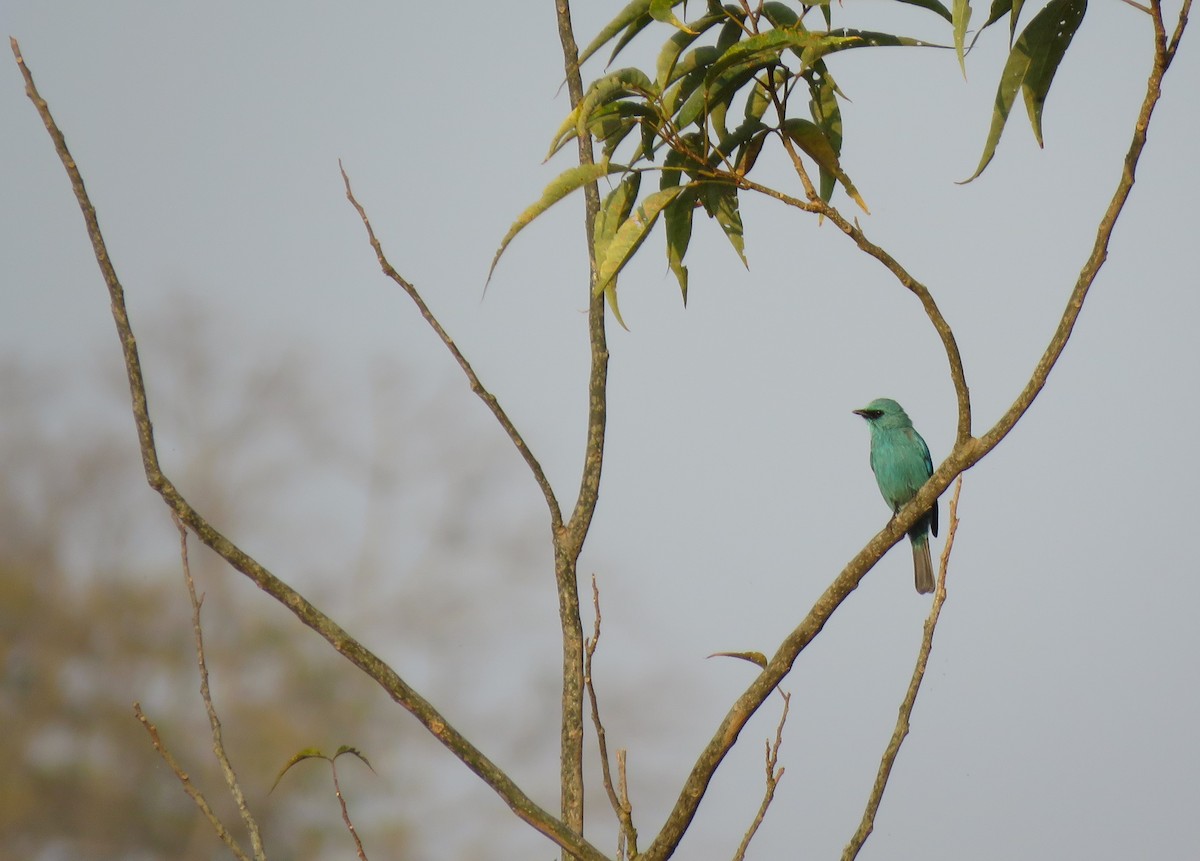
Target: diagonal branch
point(910, 698)
point(476, 386)
point(965, 454)
point(190, 788)
point(387, 678)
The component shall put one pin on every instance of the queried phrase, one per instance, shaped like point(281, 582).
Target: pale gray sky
point(1058, 717)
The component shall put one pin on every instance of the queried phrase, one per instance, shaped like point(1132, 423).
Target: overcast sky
point(1058, 716)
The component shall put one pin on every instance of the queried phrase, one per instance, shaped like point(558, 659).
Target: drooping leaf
point(733, 141)
point(631, 234)
point(961, 17)
point(614, 211)
point(1012, 19)
point(353, 751)
point(721, 202)
point(810, 138)
point(614, 85)
point(1031, 65)
point(634, 10)
point(636, 26)
point(1052, 39)
point(827, 114)
point(678, 43)
point(677, 217)
point(1000, 8)
point(300, 756)
point(932, 6)
point(664, 11)
point(780, 15)
point(562, 185)
point(748, 153)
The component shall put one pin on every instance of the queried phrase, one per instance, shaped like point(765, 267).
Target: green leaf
point(565, 183)
point(307, 753)
point(827, 114)
point(932, 6)
point(677, 217)
point(636, 9)
point(780, 15)
point(961, 17)
point(635, 27)
point(631, 234)
point(613, 212)
point(565, 132)
point(810, 138)
point(1031, 65)
point(749, 151)
point(846, 38)
point(664, 11)
point(677, 44)
point(1052, 39)
point(721, 202)
point(614, 85)
point(353, 751)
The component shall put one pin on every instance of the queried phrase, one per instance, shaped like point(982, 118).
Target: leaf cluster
point(724, 86)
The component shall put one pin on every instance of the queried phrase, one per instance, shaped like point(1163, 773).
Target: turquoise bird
point(901, 463)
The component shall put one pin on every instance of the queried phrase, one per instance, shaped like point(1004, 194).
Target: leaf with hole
point(1031, 66)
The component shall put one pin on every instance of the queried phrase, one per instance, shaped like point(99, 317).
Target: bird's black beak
point(869, 415)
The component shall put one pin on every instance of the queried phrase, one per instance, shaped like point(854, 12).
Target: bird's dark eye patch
point(870, 414)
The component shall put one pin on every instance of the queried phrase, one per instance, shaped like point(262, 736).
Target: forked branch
point(910, 698)
point(965, 454)
point(568, 838)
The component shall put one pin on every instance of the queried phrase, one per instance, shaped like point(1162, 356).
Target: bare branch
point(910, 698)
point(568, 541)
point(214, 722)
point(774, 775)
point(476, 386)
point(566, 837)
point(337, 790)
point(627, 841)
point(188, 786)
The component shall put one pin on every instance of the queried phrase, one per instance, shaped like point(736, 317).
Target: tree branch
point(476, 386)
point(965, 454)
point(569, 540)
point(214, 722)
point(190, 788)
point(620, 804)
point(910, 698)
point(563, 835)
point(774, 775)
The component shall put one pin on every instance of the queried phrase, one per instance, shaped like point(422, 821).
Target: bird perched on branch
point(901, 463)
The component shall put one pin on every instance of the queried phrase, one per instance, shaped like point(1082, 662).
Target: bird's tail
point(922, 564)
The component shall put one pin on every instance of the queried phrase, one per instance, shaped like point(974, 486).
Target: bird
point(901, 463)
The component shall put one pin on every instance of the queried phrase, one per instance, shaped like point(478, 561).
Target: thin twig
point(624, 850)
point(476, 386)
point(627, 839)
point(910, 698)
point(521, 804)
point(337, 790)
point(774, 775)
point(214, 722)
point(195, 794)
